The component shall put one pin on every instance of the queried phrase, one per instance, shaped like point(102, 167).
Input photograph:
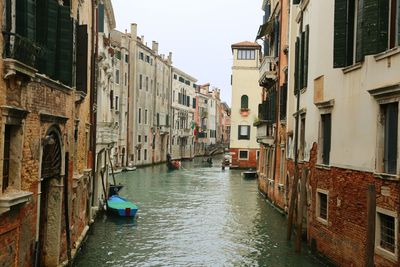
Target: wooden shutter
point(340, 33)
point(306, 50)
point(282, 102)
point(100, 18)
point(391, 143)
point(82, 58)
point(375, 26)
point(398, 23)
point(326, 149)
point(296, 66)
point(64, 46)
point(301, 63)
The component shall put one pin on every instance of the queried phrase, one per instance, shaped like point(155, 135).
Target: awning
point(265, 29)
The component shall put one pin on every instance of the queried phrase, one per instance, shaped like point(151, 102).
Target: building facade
point(46, 183)
point(245, 100)
point(271, 124)
point(344, 86)
point(182, 115)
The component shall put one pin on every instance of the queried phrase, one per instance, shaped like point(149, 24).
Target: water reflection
point(197, 216)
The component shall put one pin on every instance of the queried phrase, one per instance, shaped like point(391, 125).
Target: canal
point(197, 216)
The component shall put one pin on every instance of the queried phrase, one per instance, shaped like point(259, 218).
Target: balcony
point(164, 129)
point(265, 134)
point(268, 72)
point(20, 55)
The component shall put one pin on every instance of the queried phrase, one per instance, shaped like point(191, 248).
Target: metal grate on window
point(387, 241)
point(323, 206)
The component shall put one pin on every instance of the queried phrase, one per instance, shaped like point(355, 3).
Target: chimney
point(142, 39)
point(154, 47)
point(133, 31)
point(170, 58)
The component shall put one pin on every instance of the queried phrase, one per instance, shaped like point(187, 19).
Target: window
point(126, 79)
point(386, 233)
point(140, 116)
point(244, 132)
point(117, 76)
point(147, 59)
point(301, 60)
point(6, 157)
point(175, 76)
point(326, 125)
point(147, 83)
point(390, 129)
point(141, 55)
point(111, 99)
point(116, 103)
point(302, 141)
point(257, 154)
point(194, 103)
point(145, 116)
point(140, 81)
point(139, 154)
point(245, 54)
point(118, 55)
point(158, 119)
point(322, 205)
point(139, 138)
point(244, 102)
point(145, 138)
point(145, 154)
point(243, 154)
point(373, 28)
point(126, 58)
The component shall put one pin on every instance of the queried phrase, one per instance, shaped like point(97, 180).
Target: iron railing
point(22, 49)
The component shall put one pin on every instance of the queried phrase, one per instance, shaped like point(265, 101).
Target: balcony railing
point(267, 70)
point(21, 49)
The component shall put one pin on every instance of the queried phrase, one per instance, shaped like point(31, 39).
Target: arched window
point(244, 102)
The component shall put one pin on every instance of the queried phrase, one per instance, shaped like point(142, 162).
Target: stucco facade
point(245, 99)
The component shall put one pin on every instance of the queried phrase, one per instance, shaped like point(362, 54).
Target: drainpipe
point(93, 94)
point(296, 158)
point(66, 210)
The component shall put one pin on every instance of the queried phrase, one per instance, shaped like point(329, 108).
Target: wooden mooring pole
point(371, 210)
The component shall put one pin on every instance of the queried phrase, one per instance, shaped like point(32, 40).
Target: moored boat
point(250, 174)
point(121, 206)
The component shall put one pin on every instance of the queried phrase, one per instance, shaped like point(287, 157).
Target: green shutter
point(296, 67)
point(82, 58)
point(398, 24)
point(373, 33)
point(301, 63)
point(359, 44)
point(383, 30)
point(64, 46)
point(340, 34)
point(25, 18)
point(100, 18)
point(306, 49)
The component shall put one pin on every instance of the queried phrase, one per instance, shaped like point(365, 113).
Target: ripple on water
point(194, 217)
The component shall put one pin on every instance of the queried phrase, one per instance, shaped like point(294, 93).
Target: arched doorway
point(50, 200)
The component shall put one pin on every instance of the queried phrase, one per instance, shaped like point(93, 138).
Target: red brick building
point(45, 124)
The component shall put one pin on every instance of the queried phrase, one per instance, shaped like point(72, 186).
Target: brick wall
point(251, 162)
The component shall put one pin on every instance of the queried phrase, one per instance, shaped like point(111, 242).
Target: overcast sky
point(198, 33)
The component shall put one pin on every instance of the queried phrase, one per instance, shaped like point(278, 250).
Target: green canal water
point(197, 216)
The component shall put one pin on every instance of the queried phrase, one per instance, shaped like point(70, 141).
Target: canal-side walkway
point(197, 216)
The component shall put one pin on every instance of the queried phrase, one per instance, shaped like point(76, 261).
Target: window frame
point(243, 150)
point(244, 137)
point(319, 193)
point(378, 248)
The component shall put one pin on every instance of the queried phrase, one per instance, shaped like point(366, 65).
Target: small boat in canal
point(250, 174)
point(129, 168)
point(121, 206)
point(173, 164)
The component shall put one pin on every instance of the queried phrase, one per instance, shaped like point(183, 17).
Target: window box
point(244, 112)
point(13, 198)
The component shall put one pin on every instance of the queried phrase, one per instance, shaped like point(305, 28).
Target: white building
point(182, 115)
point(245, 99)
